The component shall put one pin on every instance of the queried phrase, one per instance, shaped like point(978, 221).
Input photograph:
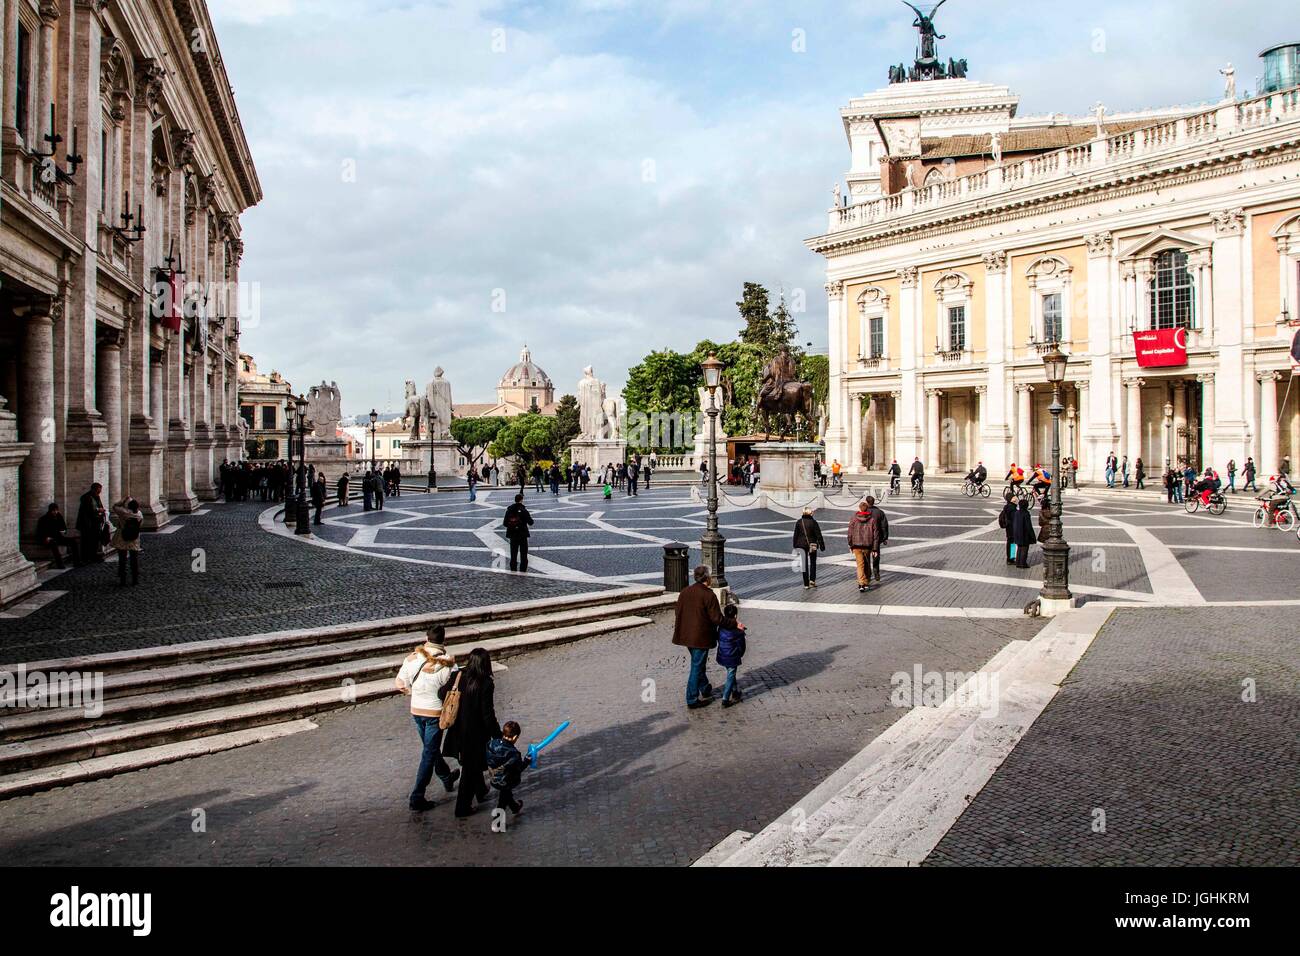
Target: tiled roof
point(1035, 140)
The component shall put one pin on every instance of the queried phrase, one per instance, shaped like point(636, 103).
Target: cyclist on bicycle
point(1278, 496)
point(1207, 485)
point(1015, 477)
point(917, 474)
point(979, 475)
point(894, 473)
point(1042, 479)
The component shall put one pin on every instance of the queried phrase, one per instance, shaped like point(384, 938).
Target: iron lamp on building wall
point(712, 543)
point(1055, 595)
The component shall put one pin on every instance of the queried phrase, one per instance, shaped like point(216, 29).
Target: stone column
point(1025, 426)
point(933, 436)
point(1081, 451)
point(908, 434)
point(877, 432)
point(36, 418)
point(1133, 420)
point(981, 405)
point(855, 432)
point(1208, 421)
point(1180, 420)
point(108, 375)
point(1269, 437)
point(994, 432)
point(17, 574)
point(837, 412)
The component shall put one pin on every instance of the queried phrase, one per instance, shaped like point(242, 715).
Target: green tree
point(664, 381)
point(474, 435)
point(759, 327)
point(526, 438)
point(568, 423)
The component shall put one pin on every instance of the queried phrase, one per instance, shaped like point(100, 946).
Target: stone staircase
point(167, 703)
point(892, 802)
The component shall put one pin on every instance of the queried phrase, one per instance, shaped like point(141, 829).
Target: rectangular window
point(877, 336)
point(22, 84)
point(957, 328)
point(246, 411)
point(1171, 298)
point(1053, 327)
point(271, 448)
point(268, 417)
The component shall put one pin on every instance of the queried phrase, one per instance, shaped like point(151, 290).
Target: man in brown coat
point(864, 541)
point(696, 627)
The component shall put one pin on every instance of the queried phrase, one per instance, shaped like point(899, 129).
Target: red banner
point(1160, 348)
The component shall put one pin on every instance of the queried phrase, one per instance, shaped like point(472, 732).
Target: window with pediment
point(1171, 297)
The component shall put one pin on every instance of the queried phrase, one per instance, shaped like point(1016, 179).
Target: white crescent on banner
point(1180, 338)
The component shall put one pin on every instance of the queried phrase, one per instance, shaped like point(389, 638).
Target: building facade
point(972, 241)
point(262, 400)
point(108, 380)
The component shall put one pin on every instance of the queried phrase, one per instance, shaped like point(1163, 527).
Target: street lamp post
point(1055, 595)
point(713, 544)
point(1071, 453)
point(290, 499)
point(374, 417)
point(304, 520)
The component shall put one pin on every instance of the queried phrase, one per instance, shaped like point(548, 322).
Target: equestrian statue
point(783, 395)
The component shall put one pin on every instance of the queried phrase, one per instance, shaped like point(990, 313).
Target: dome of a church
point(525, 374)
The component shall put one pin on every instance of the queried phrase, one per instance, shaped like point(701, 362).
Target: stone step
point(924, 770)
point(912, 824)
point(228, 668)
point(34, 726)
point(724, 848)
point(82, 745)
point(95, 768)
point(906, 738)
point(190, 651)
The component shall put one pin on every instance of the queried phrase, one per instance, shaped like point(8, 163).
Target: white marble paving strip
point(33, 602)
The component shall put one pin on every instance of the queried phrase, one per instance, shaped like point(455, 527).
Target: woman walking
point(421, 677)
point(126, 539)
point(476, 724)
point(808, 539)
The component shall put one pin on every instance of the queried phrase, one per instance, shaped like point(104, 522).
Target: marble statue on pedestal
point(437, 406)
point(323, 409)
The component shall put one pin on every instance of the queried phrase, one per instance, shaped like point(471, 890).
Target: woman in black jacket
point(808, 539)
point(1007, 521)
point(1022, 533)
point(476, 724)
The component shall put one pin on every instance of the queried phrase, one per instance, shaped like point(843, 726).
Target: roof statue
point(927, 65)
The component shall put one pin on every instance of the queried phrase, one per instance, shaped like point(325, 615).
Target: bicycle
point(1284, 517)
point(970, 489)
point(895, 485)
point(1216, 505)
point(918, 490)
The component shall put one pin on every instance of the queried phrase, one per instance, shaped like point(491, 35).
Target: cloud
point(617, 168)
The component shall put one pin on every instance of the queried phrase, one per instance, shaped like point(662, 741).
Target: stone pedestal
point(328, 455)
point(17, 574)
point(786, 474)
point(596, 453)
point(443, 454)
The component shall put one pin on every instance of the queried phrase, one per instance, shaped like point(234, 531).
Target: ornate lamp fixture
point(50, 171)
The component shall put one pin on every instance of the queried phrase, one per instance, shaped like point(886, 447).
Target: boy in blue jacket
point(731, 649)
point(506, 765)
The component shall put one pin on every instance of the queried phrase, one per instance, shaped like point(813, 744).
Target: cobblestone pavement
point(251, 582)
point(945, 551)
point(1151, 730)
point(630, 783)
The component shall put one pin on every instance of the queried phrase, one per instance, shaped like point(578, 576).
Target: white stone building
point(972, 239)
point(101, 389)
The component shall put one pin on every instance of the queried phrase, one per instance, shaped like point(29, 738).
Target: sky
point(447, 181)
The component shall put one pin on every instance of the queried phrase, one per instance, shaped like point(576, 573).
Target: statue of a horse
point(415, 409)
point(780, 395)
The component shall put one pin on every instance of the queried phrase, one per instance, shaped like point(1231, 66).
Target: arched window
point(1171, 291)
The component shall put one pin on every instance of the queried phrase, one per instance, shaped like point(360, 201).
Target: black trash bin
point(676, 561)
